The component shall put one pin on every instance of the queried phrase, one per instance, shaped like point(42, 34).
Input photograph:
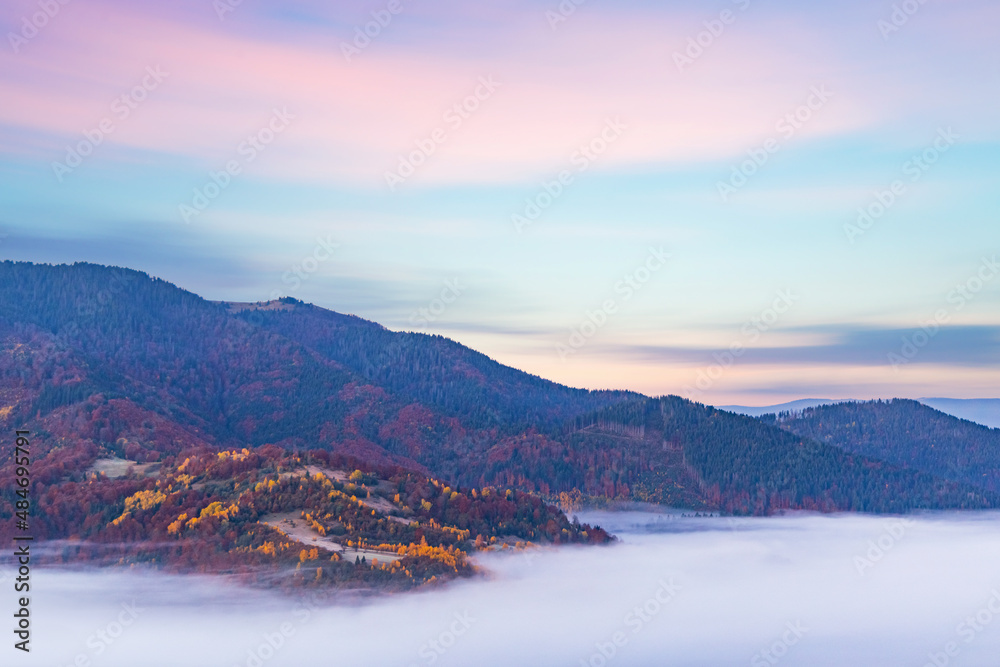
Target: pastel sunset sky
point(737, 201)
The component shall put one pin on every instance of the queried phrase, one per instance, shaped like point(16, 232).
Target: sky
point(735, 201)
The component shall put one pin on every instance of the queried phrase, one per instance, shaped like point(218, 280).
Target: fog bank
point(798, 590)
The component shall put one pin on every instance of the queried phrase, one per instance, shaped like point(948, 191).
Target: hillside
point(432, 370)
point(113, 370)
point(905, 433)
point(268, 517)
point(744, 465)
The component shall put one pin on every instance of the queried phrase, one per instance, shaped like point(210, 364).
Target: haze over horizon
point(638, 254)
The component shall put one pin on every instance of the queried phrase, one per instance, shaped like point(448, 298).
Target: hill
point(905, 433)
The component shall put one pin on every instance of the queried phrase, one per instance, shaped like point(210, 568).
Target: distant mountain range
point(985, 411)
point(105, 363)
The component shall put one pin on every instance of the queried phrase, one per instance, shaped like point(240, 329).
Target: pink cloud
point(354, 119)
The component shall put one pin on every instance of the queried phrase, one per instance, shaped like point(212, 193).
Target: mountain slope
point(110, 361)
point(745, 465)
point(122, 334)
point(905, 433)
point(433, 370)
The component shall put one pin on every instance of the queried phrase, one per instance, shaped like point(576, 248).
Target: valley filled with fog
point(795, 590)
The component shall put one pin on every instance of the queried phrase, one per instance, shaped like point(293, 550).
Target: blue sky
point(641, 136)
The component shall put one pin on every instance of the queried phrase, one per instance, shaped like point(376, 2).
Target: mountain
point(164, 429)
point(148, 403)
point(905, 433)
point(432, 370)
point(741, 464)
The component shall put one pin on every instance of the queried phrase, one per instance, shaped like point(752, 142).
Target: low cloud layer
point(802, 590)
point(954, 345)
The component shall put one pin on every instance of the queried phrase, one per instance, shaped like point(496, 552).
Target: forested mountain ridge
point(905, 433)
point(108, 364)
point(165, 430)
point(432, 369)
point(742, 464)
